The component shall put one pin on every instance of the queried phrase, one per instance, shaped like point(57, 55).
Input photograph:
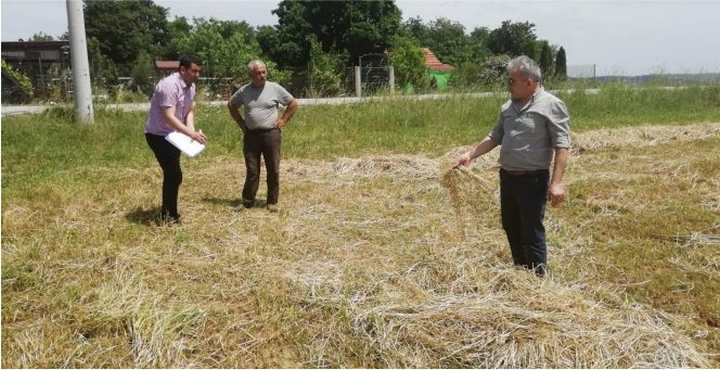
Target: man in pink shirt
point(172, 109)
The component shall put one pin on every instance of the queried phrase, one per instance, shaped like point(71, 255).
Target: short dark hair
point(186, 60)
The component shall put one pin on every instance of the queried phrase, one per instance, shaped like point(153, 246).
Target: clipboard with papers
point(185, 143)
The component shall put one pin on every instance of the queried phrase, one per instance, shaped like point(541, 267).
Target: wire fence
point(56, 85)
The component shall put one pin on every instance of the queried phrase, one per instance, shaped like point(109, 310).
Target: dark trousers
point(168, 157)
point(265, 143)
point(522, 203)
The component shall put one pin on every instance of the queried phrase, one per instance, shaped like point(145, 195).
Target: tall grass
point(41, 146)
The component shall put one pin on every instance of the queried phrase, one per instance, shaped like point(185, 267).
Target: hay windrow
point(643, 136)
point(548, 326)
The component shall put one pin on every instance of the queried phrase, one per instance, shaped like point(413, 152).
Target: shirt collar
point(530, 102)
point(537, 93)
point(183, 84)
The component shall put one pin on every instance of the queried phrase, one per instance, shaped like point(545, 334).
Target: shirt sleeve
point(498, 132)
point(283, 96)
point(166, 97)
point(236, 99)
point(559, 125)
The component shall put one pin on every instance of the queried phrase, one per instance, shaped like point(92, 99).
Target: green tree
point(142, 74)
point(416, 28)
point(449, 42)
point(42, 36)
point(103, 71)
point(177, 29)
point(546, 59)
point(446, 39)
point(126, 29)
point(286, 43)
point(478, 40)
point(225, 48)
point(513, 39)
point(352, 27)
point(409, 62)
point(325, 71)
point(561, 64)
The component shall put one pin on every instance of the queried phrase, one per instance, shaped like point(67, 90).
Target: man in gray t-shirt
point(261, 126)
point(533, 130)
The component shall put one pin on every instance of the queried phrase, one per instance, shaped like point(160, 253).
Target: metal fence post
point(358, 82)
point(391, 77)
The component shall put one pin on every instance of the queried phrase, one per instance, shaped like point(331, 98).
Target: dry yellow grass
point(381, 261)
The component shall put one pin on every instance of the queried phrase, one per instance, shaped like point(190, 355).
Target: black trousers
point(266, 143)
point(168, 157)
point(522, 203)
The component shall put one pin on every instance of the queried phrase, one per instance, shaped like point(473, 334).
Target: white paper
point(186, 144)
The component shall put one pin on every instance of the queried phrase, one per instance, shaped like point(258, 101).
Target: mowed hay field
point(379, 257)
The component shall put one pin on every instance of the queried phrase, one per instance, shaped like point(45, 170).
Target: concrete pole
point(358, 82)
point(79, 60)
point(391, 77)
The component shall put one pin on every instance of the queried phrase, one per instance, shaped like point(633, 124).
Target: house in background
point(26, 55)
point(438, 71)
point(41, 61)
point(166, 67)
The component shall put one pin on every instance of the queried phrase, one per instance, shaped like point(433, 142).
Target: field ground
point(375, 260)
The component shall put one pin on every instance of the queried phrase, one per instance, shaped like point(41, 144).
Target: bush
point(21, 90)
point(489, 74)
point(325, 72)
point(409, 64)
point(142, 74)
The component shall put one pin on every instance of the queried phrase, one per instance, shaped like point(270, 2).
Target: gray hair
point(526, 66)
point(254, 64)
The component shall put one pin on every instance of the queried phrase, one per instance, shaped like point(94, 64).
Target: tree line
point(310, 48)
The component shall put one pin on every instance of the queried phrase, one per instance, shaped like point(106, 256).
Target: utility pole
point(80, 66)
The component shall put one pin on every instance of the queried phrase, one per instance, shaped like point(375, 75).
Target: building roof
point(433, 63)
point(34, 45)
point(167, 64)
point(35, 51)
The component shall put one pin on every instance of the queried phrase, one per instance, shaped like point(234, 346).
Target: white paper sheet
point(186, 144)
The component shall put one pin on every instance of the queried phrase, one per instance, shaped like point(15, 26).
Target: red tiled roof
point(433, 63)
point(167, 64)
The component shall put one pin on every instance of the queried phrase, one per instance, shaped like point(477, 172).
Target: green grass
point(37, 148)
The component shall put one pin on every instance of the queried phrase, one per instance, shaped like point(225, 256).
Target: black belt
point(524, 172)
point(261, 130)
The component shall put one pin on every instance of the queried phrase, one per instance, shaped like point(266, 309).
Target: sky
point(619, 37)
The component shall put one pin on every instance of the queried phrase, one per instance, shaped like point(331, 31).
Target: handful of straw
point(467, 190)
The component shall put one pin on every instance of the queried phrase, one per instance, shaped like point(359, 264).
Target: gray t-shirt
point(528, 134)
point(261, 104)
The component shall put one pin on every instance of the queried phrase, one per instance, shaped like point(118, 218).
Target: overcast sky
point(620, 37)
